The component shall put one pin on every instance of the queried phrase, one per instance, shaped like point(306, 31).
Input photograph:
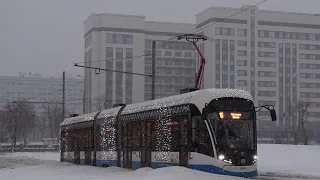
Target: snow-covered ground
point(289, 159)
point(275, 162)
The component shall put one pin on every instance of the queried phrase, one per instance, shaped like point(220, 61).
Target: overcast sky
point(46, 36)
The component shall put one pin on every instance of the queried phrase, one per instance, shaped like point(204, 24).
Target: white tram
point(211, 130)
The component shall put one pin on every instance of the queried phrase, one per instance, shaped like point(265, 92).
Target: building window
point(266, 64)
point(109, 53)
point(242, 32)
point(109, 37)
point(266, 74)
point(266, 84)
point(242, 43)
point(187, 54)
point(242, 53)
point(267, 54)
point(267, 44)
point(225, 31)
point(242, 82)
point(119, 38)
point(178, 54)
point(242, 63)
point(242, 73)
point(267, 93)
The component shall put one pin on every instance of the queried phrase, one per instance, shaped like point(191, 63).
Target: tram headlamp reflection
point(221, 157)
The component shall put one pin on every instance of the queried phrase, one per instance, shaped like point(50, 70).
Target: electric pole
point(153, 69)
point(84, 96)
point(63, 94)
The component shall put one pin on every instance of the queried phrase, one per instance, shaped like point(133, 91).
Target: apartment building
point(114, 41)
point(274, 55)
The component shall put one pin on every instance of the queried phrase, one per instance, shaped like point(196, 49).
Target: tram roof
point(198, 98)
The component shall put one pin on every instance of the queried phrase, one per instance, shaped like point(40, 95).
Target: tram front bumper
point(242, 171)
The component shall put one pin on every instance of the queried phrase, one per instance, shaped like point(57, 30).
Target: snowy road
point(277, 176)
point(26, 168)
point(275, 162)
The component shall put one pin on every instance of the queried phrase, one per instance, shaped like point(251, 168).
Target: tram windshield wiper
point(231, 132)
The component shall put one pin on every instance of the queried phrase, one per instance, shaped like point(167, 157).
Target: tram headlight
point(221, 157)
point(255, 157)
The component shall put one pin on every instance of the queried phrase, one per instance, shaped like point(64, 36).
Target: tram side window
point(68, 138)
point(136, 136)
point(179, 133)
point(174, 140)
point(98, 138)
point(81, 139)
point(200, 137)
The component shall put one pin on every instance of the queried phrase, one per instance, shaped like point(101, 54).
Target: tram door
point(126, 149)
point(76, 138)
point(88, 146)
point(184, 149)
point(63, 145)
point(146, 131)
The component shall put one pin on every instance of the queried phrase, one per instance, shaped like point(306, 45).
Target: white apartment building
point(35, 88)
point(274, 55)
point(113, 41)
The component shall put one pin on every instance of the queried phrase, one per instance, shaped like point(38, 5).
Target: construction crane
point(194, 38)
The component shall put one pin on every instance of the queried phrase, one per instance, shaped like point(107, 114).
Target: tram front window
point(232, 131)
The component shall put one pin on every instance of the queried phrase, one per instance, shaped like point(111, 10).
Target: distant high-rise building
point(274, 55)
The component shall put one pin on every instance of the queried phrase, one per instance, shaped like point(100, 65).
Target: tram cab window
point(200, 137)
point(213, 119)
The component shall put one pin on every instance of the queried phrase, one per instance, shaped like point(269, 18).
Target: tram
point(211, 130)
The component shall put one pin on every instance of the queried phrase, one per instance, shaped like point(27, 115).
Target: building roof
point(267, 11)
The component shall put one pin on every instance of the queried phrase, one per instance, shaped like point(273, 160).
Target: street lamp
point(84, 92)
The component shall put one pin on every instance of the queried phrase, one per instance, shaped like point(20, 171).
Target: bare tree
point(4, 126)
point(298, 117)
point(22, 117)
point(27, 120)
point(100, 103)
point(52, 118)
point(11, 115)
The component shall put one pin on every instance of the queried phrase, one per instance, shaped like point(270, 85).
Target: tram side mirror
point(273, 115)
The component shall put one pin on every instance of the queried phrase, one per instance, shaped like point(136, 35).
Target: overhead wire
point(116, 59)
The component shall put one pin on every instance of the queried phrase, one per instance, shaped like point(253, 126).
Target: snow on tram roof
point(78, 119)
point(198, 98)
point(88, 117)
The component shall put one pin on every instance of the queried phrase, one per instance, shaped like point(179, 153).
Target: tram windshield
point(233, 123)
point(231, 133)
